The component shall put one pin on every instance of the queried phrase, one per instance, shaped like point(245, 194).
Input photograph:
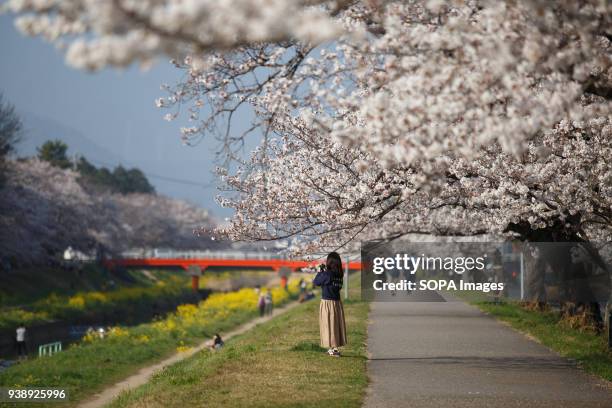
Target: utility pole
point(522, 275)
point(346, 278)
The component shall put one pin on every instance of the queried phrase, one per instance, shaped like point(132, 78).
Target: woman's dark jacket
point(330, 285)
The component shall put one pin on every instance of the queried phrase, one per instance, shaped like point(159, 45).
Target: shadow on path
point(431, 354)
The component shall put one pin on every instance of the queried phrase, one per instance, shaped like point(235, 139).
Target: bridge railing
point(172, 254)
point(49, 349)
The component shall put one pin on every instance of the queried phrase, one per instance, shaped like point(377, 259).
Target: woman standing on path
point(331, 313)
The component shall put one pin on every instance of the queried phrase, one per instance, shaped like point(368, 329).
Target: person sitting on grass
point(216, 343)
point(332, 326)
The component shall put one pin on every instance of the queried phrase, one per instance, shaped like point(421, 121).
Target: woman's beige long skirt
point(331, 323)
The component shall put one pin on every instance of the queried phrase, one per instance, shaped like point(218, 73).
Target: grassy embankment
point(277, 364)
point(588, 349)
point(225, 279)
point(45, 295)
point(95, 363)
point(28, 285)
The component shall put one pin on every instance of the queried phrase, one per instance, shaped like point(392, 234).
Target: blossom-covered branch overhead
point(375, 117)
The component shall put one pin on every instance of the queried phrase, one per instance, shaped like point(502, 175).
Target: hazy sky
point(113, 109)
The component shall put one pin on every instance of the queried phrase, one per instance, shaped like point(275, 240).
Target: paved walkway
point(446, 353)
point(144, 374)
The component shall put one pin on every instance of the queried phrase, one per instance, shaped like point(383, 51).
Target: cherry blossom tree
point(45, 209)
point(120, 32)
point(311, 187)
point(378, 118)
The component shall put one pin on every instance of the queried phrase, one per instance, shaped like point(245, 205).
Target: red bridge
point(195, 266)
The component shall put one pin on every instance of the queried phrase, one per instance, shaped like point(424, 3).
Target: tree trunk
point(575, 294)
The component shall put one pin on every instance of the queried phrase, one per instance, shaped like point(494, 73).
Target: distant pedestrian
point(283, 282)
point(20, 337)
point(261, 303)
point(302, 286)
point(268, 301)
point(332, 325)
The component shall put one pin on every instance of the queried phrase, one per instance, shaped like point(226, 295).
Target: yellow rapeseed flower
point(118, 332)
point(77, 302)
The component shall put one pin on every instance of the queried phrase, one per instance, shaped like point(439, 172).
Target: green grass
point(29, 285)
point(132, 302)
point(277, 364)
point(588, 349)
point(88, 367)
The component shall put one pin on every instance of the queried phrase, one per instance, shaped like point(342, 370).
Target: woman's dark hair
point(334, 264)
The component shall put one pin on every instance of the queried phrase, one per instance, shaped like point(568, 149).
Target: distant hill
point(38, 129)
